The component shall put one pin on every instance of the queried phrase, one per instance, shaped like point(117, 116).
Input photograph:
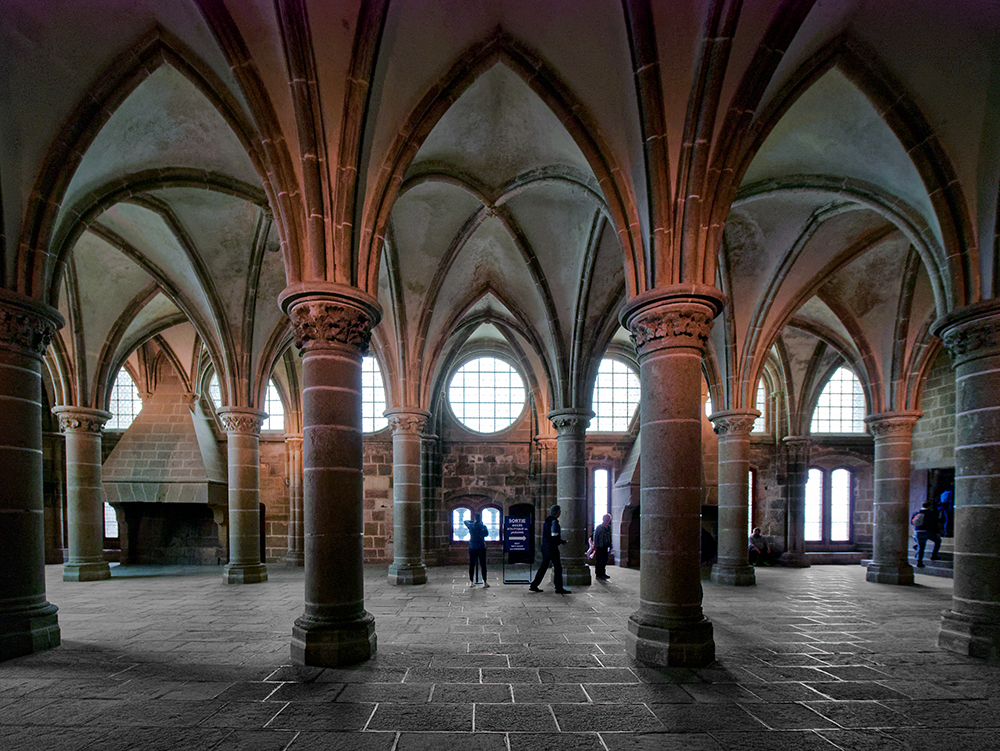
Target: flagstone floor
point(172, 658)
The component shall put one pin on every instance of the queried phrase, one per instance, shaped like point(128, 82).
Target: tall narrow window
point(813, 531)
point(491, 518)
point(372, 397)
point(459, 516)
point(750, 509)
point(602, 494)
point(841, 405)
point(215, 391)
point(110, 523)
point(840, 505)
point(125, 403)
point(760, 424)
point(616, 397)
point(274, 408)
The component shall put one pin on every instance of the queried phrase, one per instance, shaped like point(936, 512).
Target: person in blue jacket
point(478, 532)
point(551, 540)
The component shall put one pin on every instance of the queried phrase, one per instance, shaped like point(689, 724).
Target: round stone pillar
point(84, 493)
point(796, 475)
point(571, 491)
point(670, 330)
point(972, 625)
point(242, 428)
point(893, 432)
point(332, 328)
point(407, 565)
point(28, 622)
point(293, 468)
point(733, 428)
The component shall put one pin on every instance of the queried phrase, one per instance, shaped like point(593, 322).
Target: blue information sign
point(517, 534)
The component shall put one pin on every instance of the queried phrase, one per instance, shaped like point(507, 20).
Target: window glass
point(750, 503)
point(814, 506)
point(840, 505)
point(372, 397)
point(760, 424)
point(616, 397)
point(708, 406)
point(841, 406)
point(214, 392)
point(486, 395)
point(459, 532)
point(125, 403)
point(491, 518)
point(602, 489)
point(110, 522)
point(274, 408)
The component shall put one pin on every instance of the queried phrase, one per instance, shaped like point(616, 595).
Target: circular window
point(486, 395)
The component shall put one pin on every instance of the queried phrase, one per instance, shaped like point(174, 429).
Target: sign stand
point(519, 542)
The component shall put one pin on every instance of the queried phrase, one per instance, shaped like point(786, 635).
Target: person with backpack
point(478, 532)
point(927, 522)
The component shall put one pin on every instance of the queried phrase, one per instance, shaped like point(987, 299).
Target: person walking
point(928, 524)
point(478, 532)
point(602, 548)
point(551, 540)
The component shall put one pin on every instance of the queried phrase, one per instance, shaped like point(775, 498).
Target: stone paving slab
point(808, 659)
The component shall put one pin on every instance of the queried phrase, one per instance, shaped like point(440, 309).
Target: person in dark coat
point(602, 548)
point(928, 524)
point(478, 532)
point(551, 540)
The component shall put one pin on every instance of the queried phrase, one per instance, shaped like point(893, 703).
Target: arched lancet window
point(841, 406)
point(110, 523)
point(491, 518)
point(602, 494)
point(486, 395)
point(760, 424)
point(829, 506)
point(814, 506)
point(616, 397)
point(215, 391)
point(125, 403)
point(459, 516)
point(708, 406)
point(372, 397)
point(274, 408)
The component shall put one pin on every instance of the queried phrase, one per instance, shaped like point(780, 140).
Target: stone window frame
point(491, 354)
point(826, 491)
point(475, 505)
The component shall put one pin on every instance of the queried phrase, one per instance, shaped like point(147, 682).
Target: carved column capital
point(324, 314)
point(81, 419)
point(893, 424)
point(293, 440)
point(674, 316)
point(27, 325)
point(241, 420)
point(735, 422)
point(797, 447)
point(571, 421)
point(971, 332)
point(407, 421)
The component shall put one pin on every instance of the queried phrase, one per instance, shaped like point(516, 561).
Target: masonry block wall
point(274, 496)
point(378, 516)
point(934, 433)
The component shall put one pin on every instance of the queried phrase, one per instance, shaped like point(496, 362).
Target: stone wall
point(934, 433)
point(274, 496)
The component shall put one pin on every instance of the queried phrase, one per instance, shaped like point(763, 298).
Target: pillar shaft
point(796, 475)
point(242, 428)
point(84, 493)
point(733, 428)
point(28, 622)
point(893, 432)
point(408, 551)
point(670, 330)
point(571, 491)
point(332, 327)
point(972, 626)
point(293, 463)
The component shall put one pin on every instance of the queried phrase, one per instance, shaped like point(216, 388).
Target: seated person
point(758, 548)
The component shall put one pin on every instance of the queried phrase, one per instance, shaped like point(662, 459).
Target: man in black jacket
point(551, 540)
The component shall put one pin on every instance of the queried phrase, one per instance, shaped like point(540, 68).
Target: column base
point(678, 644)
point(253, 573)
point(577, 575)
point(407, 574)
point(794, 560)
point(295, 558)
point(86, 572)
point(889, 573)
point(734, 575)
point(333, 644)
point(29, 631)
point(970, 636)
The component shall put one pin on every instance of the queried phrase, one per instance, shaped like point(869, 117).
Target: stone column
point(796, 475)
point(28, 622)
point(972, 626)
point(242, 428)
point(407, 565)
point(571, 491)
point(893, 432)
point(293, 464)
point(84, 493)
point(670, 329)
point(733, 428)
point(332, 327)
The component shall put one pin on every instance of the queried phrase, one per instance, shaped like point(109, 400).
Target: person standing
point(928, 524)
point(551, 540)
point(478, 532)
point(602, 548)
